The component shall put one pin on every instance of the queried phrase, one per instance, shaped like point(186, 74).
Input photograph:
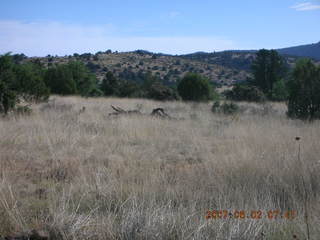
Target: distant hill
point(223, 68)
point(168, 68)
point(239, 60)
point(242, 59)
point(309, 50)
point(233, 59)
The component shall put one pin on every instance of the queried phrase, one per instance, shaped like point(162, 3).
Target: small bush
point(241, 92)
point(194, 87)
point(161, 92)
point(215, 107)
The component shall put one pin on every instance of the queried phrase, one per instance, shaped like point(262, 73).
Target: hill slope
point(169, 68)
point(225, 68)
point(309, 50)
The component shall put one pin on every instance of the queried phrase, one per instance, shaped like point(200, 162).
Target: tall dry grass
point(88, 176)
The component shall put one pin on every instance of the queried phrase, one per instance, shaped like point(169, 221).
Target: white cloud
point(42, 38)
point(306, 6)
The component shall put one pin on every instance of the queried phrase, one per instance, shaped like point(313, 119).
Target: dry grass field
point(86, 175)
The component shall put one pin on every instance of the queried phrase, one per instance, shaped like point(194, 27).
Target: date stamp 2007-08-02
point(252, 214)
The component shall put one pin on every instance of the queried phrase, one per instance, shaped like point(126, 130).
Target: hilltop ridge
point(223, 68)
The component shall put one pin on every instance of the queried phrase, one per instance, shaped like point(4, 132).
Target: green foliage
point(60, 80)
point(216, 107)
point(243, 60)
point(8, 84)
point(225, 108)
point(93, 67)
point(20, 81)
point(8, 98)
point(279, 91)
point(18, 58)
point(304, 91)
point(110, 85)
point(194, 87)
point(161, 92)
point(267, 68)
point(71, 78)
point(30, 81)
point(86, 83)
point(95, 92)
point(244, 92)
point(148, 80)
point(137, 85)
point(130, 89)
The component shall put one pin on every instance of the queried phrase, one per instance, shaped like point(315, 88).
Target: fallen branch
point(157, 112)
point(120, 111)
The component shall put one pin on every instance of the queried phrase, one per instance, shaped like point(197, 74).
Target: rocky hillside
point(223, 68)
point(169, 68)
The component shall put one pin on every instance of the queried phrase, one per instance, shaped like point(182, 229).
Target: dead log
point(157, 112)
point(120, 111)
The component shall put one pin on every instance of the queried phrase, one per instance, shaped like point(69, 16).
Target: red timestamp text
point(252, 214)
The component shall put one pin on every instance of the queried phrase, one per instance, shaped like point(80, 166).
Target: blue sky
point(60, 27)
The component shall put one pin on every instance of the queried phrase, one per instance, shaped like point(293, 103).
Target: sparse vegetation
point(87, 176)
point(71, 169)
point(225, 107)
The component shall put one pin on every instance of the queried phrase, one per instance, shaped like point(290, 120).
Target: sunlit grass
point(84, 175)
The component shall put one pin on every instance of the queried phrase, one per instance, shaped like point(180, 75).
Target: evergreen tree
point(268, 68)
point(110, 85)
point(8, 84)
point(304, 91)
point(279, 91)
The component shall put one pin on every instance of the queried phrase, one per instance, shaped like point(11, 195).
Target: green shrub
point(229, 108)
point(110, 85)
point(279, 91)
point(216, 107)
point(60, 80)
point(20, 81)
point(242, 92)
point(194, 87)
point(304, 91)
point(161, 92)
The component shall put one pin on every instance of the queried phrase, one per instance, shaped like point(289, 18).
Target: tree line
point(271, 80)
point(32, 82)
